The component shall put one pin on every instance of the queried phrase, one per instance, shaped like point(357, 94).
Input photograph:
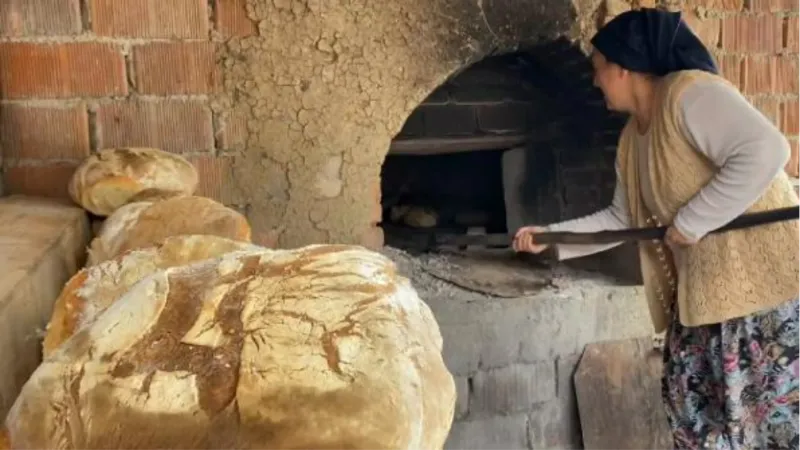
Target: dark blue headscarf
point(652, 41)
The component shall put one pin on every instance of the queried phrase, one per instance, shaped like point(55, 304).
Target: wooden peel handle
point(644, 234)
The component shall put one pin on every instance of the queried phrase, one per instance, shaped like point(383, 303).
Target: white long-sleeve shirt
point(747, 148)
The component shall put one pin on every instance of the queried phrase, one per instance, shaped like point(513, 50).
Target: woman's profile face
point(612, 80)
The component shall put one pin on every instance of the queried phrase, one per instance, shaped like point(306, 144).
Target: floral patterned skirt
point(734, 385)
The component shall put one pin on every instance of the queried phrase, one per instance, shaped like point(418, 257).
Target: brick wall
point(491, 97)
point(80, 75)
point(756, 45)
point(546, 93)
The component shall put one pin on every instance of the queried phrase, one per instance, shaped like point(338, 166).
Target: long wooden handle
point(644, 234)
point(432, 238)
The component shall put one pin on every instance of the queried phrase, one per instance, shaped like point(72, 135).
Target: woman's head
point(616, 82)
point(642, 44)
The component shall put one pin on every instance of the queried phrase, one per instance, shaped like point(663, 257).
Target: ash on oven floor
point(497, 273)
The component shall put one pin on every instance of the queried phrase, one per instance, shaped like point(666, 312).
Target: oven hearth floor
point(513, 335)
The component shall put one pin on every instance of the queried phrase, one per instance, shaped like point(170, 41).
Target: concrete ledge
point(42, 244)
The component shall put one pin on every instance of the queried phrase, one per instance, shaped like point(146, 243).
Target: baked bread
point(94, 288)
point(109, 238)
point(109, 178)
point(322, 347)
point(143, 224)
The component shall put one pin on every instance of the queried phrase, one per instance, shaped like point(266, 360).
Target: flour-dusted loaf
point(94, 288)
point(142, 224)
point(109, 238)
point(109, 178)
point(322, 347)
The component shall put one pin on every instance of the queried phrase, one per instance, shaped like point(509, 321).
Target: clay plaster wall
point(338, 81)
point(287, 107)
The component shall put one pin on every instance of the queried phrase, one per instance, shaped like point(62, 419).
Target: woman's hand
point(675, 239)
point(525, 241)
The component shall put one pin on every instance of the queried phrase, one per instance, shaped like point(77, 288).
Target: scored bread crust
point(109, 238)
point(323, 347)
point(108, 179)
point(142, 224)
point(94, 288)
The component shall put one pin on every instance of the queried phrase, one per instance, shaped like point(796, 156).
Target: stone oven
point(514, 139)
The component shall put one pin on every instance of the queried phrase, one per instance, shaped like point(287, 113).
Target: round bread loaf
point(322, 347)
point(109, 238)
point(109, 178)
point(94, 288)
point(143, 224)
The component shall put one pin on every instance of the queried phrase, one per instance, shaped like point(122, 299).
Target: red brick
point(758, 75)
point(61, 70)
point(179, 19)
point(786, 75)
point(719, 5)
point(233, 134)
point(175, 68)
point(772, 5)
point(39, 17)
point(792, 40)
point(31, 133)
point(730, 67)
point(771, 74)
point(762, 33)
point(50, 180)
point(172, 125)
point(215, 175)
point(793, 166)
point(232, 19)
point(707, 29)
point(790, 121)
point(774, 74)
point(770, 107)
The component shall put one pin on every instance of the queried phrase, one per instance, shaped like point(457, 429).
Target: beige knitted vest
point(725, 275)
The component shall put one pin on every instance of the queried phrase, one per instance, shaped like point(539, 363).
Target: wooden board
point(618, 386)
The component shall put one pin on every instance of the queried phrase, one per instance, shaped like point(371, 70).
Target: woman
point(695, 155)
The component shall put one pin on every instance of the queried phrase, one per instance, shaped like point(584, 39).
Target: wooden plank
point(474, 231)
point(431, 238)
point(440, 146)
point(618, 386)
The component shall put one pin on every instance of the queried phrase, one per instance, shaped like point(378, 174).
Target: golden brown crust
point(107, 241)
point(95, 288)
point(250, 350)
point(154, 195)
point(185, 215)
point(66, 311)
point(109, 178)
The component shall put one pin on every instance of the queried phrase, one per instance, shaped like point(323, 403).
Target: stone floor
point(513, 357)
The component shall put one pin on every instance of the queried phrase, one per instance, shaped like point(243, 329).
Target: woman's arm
point(614, 217)
point(748, 149)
